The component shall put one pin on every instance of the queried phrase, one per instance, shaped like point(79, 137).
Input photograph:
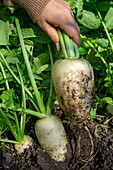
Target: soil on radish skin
point(79, 150)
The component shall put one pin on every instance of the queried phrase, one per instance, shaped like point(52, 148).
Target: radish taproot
point(73, 81)
point(26, 143)
point(52, 137)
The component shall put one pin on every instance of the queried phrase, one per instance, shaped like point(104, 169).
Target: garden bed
point(79, 149)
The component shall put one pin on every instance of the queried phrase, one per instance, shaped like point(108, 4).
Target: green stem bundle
point(23, 116)
point(69, 47)
point(4, 75)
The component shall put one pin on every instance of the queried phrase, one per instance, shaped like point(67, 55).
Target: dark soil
point(90, 148)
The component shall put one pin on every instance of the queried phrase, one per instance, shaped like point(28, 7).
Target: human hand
point(58, 13)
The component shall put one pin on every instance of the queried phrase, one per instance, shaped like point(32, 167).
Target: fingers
point(59, 14)
point(51, 31)
point(53, 34)
point(72, 29)
point(65, 20)
point(68, 24)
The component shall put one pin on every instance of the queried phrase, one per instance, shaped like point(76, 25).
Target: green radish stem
point(31, 112)
point(36, 92)
point(23, 116)
point(76, 49)
point(18, 128)
point(34, 113)
point(8, 141)
point(69, 47)
point(62, 44)
point(50, 98)
point(3, 71)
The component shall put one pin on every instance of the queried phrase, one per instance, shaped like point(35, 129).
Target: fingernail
point(58, 46)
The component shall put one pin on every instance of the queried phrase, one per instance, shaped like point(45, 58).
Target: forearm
point(33, 7)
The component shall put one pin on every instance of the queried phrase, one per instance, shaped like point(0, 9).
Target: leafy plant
point(34, 101)
point(21, 97)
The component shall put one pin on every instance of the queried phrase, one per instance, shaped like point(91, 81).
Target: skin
point(58, 14)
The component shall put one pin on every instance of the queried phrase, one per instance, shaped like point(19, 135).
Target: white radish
point(52, 137)
point(25, 144)
point(73, 81)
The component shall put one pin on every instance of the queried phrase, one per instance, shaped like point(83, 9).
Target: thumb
point(53, 34)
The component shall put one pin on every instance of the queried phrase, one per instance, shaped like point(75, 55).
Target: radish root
point(92, 145)
point(89, 160)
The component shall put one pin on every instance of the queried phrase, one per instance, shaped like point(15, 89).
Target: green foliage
point(102, 42)
point(95, 20)
point(17, 94)
point(109, 19)
point(104, 6)
point(93, 113)
point(89, 20)
point(7, 99)
point(5, 27)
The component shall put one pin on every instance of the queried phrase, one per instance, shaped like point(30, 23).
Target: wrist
point(33, 7)
point(8, 2)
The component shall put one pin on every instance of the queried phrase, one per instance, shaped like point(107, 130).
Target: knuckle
point(53, 38)
point(68, 5)
point(66, 10)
